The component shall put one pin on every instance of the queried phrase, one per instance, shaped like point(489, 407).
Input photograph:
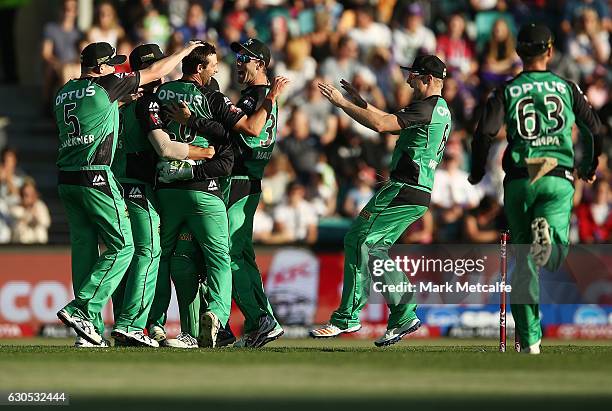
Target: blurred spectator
point(367, 32)
point(389, 77)
point(298, 67)
point(574, 8)
point(452, 194)
point(589, 44)
point(295, 220)
point(300, 145)
point(482, 224)
point(421, 231)
point(6, 222)
point(460, 105)
point(344, 64)
point(323, 122)
point(106, 26)
point(457, 50)
point(124, 47)
point(154, 27)
point(413, 38)
point(31, 219)
point(500, 60)
point(11, 178)
point(262, 224)
point(195, 24)
point(322, 37)
point(60, 50)
point(277, 176)
point(595, 218)
point(358, 196)
point(323, 191)
point(598, 92)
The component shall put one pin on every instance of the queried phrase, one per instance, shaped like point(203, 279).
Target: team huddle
point(168, 176)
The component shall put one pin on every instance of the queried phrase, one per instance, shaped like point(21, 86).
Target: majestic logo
point(212, 186)
point(135, 192)
point(248, 42)
point(98, 180)
point(432, 164)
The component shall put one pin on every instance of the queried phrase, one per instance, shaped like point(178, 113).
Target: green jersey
point(539, 109)
point(135, 157)
point(252, 154)
point(87, 116)
point(193, 95)
point(426, 125)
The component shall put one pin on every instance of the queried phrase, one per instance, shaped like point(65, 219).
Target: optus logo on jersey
point(89, 91)
point(169, 95)
point(526, 88)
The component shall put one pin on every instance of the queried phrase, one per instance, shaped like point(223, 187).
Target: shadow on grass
point(401, 402)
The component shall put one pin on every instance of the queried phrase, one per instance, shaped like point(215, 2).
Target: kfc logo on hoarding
point(22, 301)
point(292, 286)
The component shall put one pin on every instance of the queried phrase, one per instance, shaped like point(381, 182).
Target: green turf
point(306, 374)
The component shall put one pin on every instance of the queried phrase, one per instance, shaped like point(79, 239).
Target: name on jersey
point(89, 91)
point(263, 155)
point(169, 95)
point(546, 141)
point(75, 141)
point(540, 86)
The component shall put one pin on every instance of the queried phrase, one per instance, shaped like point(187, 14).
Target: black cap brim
point(238, 47)
point(116, 60)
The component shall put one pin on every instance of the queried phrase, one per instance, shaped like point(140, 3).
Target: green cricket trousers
point(133, 298)
point(381, 222)
point(95, 209)
point(550, 197)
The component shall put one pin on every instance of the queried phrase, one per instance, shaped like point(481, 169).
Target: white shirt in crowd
point(377, 34)
point(454, 189)
point(406, 45)
point(296, 219)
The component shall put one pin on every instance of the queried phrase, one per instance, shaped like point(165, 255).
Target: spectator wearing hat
point(412, 38)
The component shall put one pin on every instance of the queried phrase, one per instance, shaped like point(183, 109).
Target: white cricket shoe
point(83, 328)
point(83, 343)
point(134, 338)
point(541, 247)
point(183, 340)
point(331, 330)
point(209, 328)
point(157, 333)
point(533, 349)
point(395, 334)
point(275, 334)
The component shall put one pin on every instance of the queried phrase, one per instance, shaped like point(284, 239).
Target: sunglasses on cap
point(245, 58)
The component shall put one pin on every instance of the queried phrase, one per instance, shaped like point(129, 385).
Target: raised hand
point(277, 87)
point(331, 93)
point(353, 94)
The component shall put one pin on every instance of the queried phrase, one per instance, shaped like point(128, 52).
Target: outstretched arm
point(253, 124)
point(376, 120)
point(163, 67)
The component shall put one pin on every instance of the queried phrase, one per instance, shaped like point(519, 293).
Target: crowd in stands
point(24, 217)
point(327, 165)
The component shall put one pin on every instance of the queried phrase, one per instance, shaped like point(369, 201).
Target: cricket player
point(87, 116)
point(539, 110)
point(199, 204)
point(423, 128)
point(141, 141)
point(187, 265)
point(252, 154)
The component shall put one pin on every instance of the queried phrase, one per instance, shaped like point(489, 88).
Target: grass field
point(307, 374)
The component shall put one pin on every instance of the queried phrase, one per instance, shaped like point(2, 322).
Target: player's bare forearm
point(164, 66)
point(253, 124)
point(379, 122)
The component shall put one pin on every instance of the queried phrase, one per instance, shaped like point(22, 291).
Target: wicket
point(502, 302)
